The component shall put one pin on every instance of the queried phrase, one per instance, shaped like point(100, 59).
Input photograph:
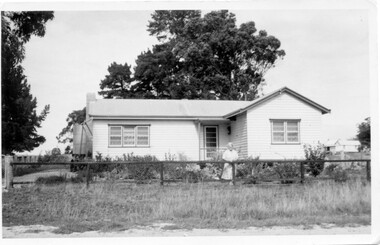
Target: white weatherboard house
point(344, 145)
point(274, 126)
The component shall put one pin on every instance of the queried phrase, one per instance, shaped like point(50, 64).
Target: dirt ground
point(169, 230)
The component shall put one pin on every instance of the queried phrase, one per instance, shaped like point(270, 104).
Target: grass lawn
point(112, 206)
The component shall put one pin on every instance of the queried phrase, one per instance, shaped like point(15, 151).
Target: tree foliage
point(19, 117)
point(364, 133)
point(117, 84)
point(66, 134)
point(205, 57)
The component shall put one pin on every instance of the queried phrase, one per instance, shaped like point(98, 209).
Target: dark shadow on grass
point(33, 231)
point(171, 228)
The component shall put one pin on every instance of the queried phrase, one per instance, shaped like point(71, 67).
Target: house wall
point(346, 148)
point(176, 137)
point(283, 106)
point(239, 134)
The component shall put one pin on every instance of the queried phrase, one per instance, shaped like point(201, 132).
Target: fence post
point(88, 175)
point(368, 167)
point(302, 169)
point(162, 174)
point(233, 173)
point(8, 165)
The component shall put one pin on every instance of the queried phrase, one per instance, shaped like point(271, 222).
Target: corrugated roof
point(164, 108)
point(185, 108)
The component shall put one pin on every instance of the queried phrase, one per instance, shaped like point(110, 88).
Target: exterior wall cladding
point(250, 133)
point(179, 138)
point(284, 106)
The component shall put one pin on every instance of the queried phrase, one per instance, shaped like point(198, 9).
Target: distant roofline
point(273, 94)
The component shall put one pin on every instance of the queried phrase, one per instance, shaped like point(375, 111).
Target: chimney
point(90, 97)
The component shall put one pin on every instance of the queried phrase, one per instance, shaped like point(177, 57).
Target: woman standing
point(229, 155)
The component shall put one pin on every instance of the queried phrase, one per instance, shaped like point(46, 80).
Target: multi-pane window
point(285, 131)
point(128, 136)
point(211, 140)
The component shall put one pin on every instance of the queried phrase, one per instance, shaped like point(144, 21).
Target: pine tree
point(19, 117)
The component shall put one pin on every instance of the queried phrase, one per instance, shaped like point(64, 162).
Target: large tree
point(364, 133)
point(118, 83)
point(18, 106)
point(205, 57)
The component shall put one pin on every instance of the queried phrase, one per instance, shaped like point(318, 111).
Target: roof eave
point(135, 117)
point(323, 109)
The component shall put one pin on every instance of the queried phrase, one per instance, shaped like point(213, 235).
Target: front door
point(211, 141)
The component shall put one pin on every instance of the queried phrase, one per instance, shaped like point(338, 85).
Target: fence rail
point(9, 163)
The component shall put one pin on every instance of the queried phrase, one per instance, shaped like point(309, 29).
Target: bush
point(312, 153)
point(52, 180)
point(330, 169)
point(287, 171)
point(117, 170)
point(336, 172)
point(245, 170)
point(211, 171)
point(174, 171)
point(265, 171)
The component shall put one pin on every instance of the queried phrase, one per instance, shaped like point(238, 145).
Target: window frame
point(285, 124)
point(205, 139)
point(123, 145)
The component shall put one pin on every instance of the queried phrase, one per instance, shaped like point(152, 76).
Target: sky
point(327, 60)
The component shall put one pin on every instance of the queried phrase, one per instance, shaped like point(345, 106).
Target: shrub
point(336, 172)
point(328, 170)
point(244, 170)
point(316, 152)
point(340, 174)
point(286, 171)
point(117, 170)
point(174, 171)
point(139, 171)
point(52, 180)
point(211, 171)
point(265, 171)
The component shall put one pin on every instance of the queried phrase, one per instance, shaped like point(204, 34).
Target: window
point(211, 140)
point(128, 136)
point(285, 131)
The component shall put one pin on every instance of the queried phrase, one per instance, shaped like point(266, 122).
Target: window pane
point(115, 136)
point(142, 140)
point(143, 131)
point(292, 126)
point(211, 130)
point(212, 134)
point(115, 130)
point(143, 135)
point(278, 126)
point(292, 137)
point(210, 152)
point(278, 137)
point(115, 140)
point(129, 135)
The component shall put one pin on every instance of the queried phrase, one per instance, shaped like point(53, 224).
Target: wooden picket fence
point(10, 163)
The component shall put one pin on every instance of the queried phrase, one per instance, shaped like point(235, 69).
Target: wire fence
point(245, 171)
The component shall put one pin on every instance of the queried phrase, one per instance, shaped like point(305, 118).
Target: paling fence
point(244, 171)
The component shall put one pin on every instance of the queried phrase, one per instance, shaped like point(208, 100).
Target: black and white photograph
point(209, 121)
